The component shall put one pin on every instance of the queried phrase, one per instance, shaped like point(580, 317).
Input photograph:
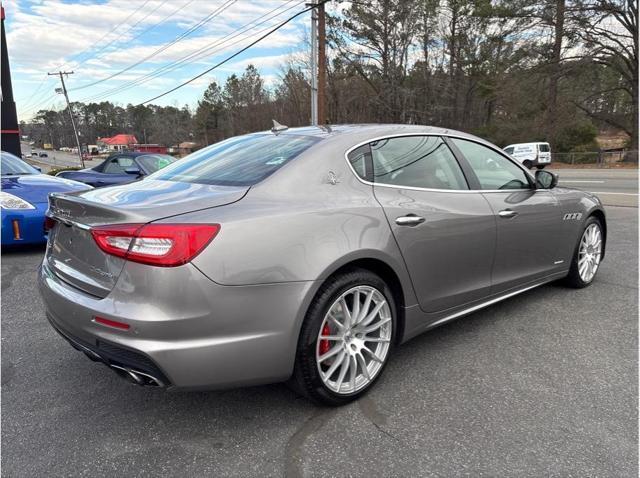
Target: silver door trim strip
point(483, 305)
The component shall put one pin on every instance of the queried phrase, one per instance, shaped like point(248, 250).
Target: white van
point(531, 154)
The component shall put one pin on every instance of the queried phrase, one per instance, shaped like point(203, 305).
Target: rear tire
point(541, 166)
point(527, 164)
point(586, 256)
point(342, 368)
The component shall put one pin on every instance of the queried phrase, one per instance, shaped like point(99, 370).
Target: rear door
point(528, 219)
point(544, 153)
point(445, 231)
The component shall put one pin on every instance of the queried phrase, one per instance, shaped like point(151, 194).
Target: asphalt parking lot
point(543, 384)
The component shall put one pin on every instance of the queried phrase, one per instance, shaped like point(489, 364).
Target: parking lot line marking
point(579, 181)
point(618, 194)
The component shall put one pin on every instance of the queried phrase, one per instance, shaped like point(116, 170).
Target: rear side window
point(358, 160)
point(543, 148)
point(118, 165)
point(239, 161)
point(416, 161)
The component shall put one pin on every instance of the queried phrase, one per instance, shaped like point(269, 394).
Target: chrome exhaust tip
point(136, 377)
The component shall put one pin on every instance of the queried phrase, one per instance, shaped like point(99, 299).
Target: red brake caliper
point(324, 344)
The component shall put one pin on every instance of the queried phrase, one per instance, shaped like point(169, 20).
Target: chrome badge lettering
point(56, 211)
point(572, 216)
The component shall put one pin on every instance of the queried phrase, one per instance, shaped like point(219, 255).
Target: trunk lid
point(72, 253)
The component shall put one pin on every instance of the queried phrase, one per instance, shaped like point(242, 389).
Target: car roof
point(356, 133)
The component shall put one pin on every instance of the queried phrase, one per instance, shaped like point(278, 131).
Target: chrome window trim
point(448, 135)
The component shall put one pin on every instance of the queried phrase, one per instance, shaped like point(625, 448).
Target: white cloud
point(97, 39)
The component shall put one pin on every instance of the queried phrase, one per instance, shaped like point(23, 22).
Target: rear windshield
point(239, 161)
point(543, 148)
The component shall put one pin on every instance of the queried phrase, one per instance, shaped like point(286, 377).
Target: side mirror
point(546, 179)
point(38, 168)
point(133, 171)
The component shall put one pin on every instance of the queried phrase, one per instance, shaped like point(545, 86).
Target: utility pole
point(314, 65)
point(322, 78)
point(73, 121)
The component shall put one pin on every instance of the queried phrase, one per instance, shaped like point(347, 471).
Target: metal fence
point(602, 159)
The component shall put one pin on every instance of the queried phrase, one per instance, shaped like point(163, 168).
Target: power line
point(44, 99)
point(161, 49)
point(36, 97)
point(104, 47)
point(90, 47)
point(235, 54)
point(198, 54)
point(44, 78)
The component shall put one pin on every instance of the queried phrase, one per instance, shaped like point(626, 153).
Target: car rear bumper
point(210, 336)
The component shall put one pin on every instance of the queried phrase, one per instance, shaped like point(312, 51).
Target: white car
point(531, 154)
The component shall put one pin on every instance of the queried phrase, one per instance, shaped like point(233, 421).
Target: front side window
point(416, 161)
point(239, 161)
point(493, 170)
point(509, 150)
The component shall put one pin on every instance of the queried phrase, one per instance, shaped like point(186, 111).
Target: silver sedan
point(306, 255)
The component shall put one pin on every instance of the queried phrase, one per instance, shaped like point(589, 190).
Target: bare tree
point(609, 30)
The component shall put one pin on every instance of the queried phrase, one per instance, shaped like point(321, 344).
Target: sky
point(148, 46)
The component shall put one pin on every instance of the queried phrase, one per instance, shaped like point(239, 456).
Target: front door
point(528, 219)
point(445, 232)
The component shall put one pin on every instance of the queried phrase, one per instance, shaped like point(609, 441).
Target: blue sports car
point(25, 198)
point(120, 168)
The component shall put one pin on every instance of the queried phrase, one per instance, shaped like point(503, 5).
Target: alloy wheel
point(354, 340)
point(589, 252)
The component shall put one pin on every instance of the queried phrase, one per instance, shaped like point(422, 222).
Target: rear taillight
point(164, 245)
point(49, 222)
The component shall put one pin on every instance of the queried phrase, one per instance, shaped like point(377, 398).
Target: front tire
point(346, 338)
point(527, 164)
point(587, 255)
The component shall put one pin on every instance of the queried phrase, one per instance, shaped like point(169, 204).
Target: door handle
point(409, 220)
point(507, 213)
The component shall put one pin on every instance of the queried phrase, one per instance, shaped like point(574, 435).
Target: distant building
point(184, 148)
point(612, 140)
point(150, 148)
point(119, 142)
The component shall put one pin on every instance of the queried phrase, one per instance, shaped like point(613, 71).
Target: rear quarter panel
point(299, 226)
